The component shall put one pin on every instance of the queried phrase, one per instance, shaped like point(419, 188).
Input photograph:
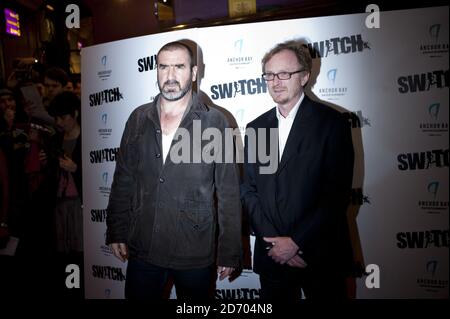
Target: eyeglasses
point(280, 76)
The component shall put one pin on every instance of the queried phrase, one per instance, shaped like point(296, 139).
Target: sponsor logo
point(147, 63)
point(423, 160)
point(105, 96)
point(338, 45)
point(240, 58)
point(421, 82)
point(430, 281)
point(107, 272)
point(104, 188)
point(433, 205)
point(332, 92)
point(436, 46)
point(105, 73)
point(104, 155)
point(423, 239)
point(106, 250)
point(241, 293)
point(434, 126)
point(105, 131)
point(98, 215)
point(242, 87)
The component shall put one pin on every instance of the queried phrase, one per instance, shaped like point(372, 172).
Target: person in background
point(68, 216)
point(69, 87)
point(74, 85)
point(77, 87)
point(55, 79)
point(7, 102)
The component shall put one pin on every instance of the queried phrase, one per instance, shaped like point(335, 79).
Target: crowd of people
point(40, 181)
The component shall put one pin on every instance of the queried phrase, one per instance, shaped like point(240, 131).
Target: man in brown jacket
point(163, 211)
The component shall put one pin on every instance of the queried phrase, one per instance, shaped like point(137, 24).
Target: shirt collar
point(293, 112)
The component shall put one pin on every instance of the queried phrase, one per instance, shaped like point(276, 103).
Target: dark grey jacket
point(167, 213)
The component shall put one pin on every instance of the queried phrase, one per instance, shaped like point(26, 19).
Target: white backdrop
point(393, 84)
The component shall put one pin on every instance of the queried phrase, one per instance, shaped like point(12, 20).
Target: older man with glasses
point(298, 213)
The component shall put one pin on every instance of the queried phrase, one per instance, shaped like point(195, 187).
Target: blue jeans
point(147, 281)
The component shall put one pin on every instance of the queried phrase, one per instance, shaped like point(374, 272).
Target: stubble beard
point(171, 95)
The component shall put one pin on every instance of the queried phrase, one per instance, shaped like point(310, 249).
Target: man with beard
point(162, 212)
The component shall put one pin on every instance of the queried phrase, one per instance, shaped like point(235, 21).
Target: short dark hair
point(178, 45)
point(58, 75)
point(63, 104)
point(297, 47)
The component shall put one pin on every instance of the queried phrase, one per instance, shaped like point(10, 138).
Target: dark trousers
point(321, 285)
point(147, 281)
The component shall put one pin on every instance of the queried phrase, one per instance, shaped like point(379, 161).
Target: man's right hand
point(120, 250)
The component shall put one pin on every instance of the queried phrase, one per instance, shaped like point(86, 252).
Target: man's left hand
point(283, 248)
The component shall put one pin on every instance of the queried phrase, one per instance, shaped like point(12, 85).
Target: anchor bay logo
point(436, 46)
point(104, 188)
point(105, 131)
point(430, 281)
point(433, 204)
point(435, 126)
point(240, 57)
point(106, 250)
point(332, 92)
point(105, 74)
